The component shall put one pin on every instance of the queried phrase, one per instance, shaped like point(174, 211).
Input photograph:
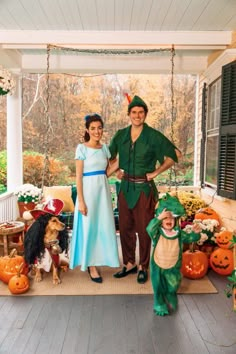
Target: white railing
point(8, 207)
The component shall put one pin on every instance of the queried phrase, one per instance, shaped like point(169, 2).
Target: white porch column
point(14, 138)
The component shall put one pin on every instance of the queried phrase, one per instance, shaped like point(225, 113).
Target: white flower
point(7, 83)
point(210, 224)
point(28, 193)
point(203, 238)
point(213, 238)
point(188, 228)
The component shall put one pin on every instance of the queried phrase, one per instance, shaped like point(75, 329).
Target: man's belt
point(135, 179)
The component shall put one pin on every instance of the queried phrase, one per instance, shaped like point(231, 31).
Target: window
point(212, 134)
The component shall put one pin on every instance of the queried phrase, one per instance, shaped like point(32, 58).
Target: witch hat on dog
point(53, 207)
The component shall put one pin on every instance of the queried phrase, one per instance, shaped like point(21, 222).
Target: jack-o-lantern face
point(194, 264)
point(221, 261)
point(223, 239)
point(18, 284)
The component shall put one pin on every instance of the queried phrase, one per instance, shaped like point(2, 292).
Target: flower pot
point(25, 207)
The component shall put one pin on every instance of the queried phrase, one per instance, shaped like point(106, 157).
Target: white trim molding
point(213, 72)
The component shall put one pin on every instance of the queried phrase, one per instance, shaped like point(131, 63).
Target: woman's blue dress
point(94, 237)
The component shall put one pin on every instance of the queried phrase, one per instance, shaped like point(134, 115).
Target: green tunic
point(140, 158)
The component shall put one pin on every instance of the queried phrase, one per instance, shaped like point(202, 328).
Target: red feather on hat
point(128, 97)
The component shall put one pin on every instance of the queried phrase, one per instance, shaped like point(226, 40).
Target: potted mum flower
point(7, 83)
point(28, 196)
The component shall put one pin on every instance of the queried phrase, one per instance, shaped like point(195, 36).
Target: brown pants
point(132, 221)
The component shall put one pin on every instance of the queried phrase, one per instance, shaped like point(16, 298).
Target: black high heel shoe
point(97, 279)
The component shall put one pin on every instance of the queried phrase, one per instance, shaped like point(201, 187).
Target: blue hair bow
point(95, 115)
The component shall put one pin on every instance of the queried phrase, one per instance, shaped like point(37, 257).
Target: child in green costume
point(168, 238)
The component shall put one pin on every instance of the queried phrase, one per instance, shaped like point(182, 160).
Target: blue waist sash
point(94, 173)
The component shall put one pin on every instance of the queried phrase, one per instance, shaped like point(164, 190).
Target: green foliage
point(233, 241)
point(3, 188)
point(3, 168)
point(232, 285)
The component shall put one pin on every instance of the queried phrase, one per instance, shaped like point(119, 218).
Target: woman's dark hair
point(88, 120)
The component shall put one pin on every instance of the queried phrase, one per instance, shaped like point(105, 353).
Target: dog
point(44, 240)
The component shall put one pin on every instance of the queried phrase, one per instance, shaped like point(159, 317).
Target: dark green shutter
point(227, 136)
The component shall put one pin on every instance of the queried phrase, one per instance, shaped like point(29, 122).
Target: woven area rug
point(78, 283)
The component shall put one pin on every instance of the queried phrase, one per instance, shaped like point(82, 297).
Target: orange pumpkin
point(207, 213)
point(221, 261)
point(224, 238)
point(9, 266)
point(19, 283)
point(194, 264)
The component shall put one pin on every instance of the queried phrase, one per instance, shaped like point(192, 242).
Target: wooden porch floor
point(123, 324)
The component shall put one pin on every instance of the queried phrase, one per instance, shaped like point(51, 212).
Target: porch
point(117, 324)
point(124, 324)
point(202, 33)
point(105, 324)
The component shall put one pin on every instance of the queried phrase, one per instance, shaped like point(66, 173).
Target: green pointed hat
point(137, 101)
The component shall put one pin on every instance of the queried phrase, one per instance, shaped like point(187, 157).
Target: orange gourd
point(221, 261)
point(9, 266)
point(19, 283)
point(194, 264)
point(224, 238)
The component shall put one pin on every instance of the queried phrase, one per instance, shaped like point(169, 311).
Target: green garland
point(112, 51)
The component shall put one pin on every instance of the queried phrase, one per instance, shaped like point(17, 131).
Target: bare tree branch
point(36, 96)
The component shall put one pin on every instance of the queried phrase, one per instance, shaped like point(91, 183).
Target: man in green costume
point(139, 147)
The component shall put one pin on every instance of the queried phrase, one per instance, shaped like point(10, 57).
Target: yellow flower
point(191, 202)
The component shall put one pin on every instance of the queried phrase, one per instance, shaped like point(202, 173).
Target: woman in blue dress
point(94, 237)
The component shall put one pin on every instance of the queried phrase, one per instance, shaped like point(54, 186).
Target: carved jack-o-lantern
point(19, 283)
point(194, 264)
point(9, 266)
point(221, 261)
point(207, 213)
point(223, 239)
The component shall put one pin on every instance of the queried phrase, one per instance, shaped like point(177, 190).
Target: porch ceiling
point(196, 28)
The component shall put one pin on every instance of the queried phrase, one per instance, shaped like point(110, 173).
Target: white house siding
point(225, 207)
